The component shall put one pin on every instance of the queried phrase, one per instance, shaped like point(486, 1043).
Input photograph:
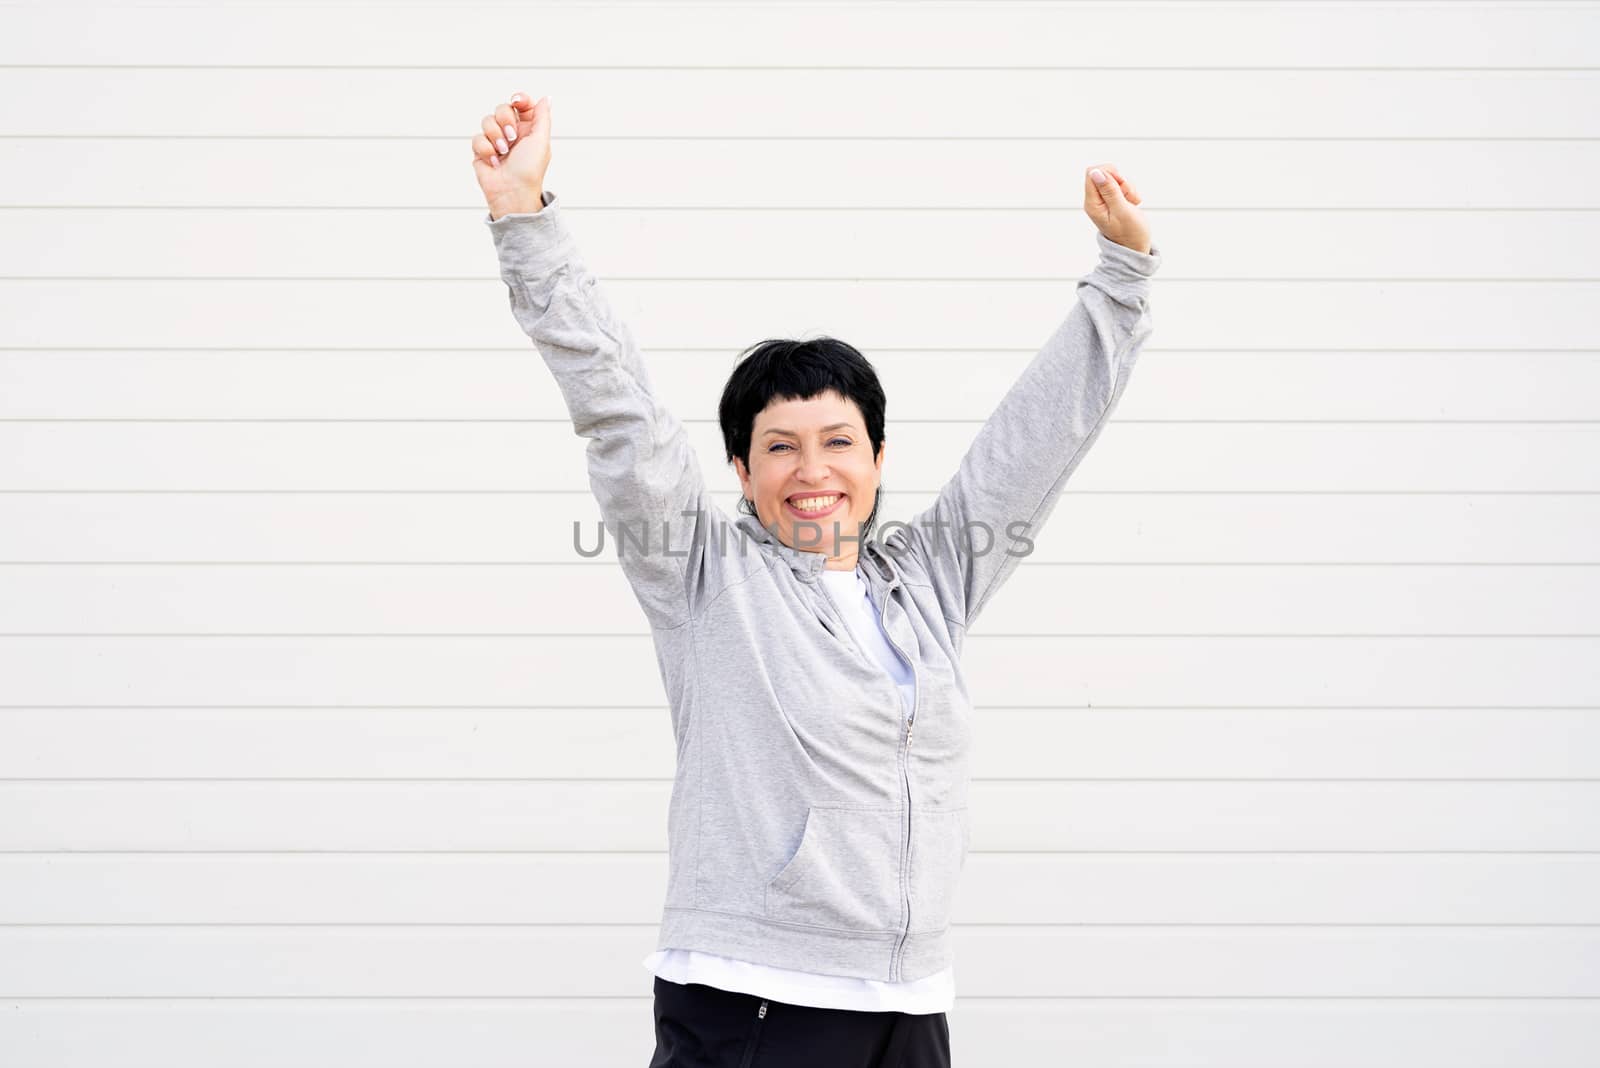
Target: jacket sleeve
point(985, 517)
point(642, 468)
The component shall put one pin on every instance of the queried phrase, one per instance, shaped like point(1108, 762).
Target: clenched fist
point(510, 155)
point(1109, 203)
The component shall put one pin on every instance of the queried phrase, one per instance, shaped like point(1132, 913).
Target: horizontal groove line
point(525, 350)
point(562, 636)
point(786, 279)
point(786, 138)
point(729, 492)
point(562, 998)
point(942, 209)
point(425, 924)
point(570, 707)
point(588, 779)
point(565, 421)
point(981, 707)
point(446, 853)
point(609, 563)
point(766, 67)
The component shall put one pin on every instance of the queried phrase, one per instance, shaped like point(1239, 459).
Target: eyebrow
point(824, 430)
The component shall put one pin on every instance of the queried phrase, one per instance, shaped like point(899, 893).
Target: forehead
point(812, 413)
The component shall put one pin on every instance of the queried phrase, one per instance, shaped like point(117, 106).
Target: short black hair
point(790, 369)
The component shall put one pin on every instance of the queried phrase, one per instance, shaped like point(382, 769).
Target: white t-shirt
point(933, 993)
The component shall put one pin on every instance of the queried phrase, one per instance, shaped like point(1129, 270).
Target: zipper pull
point(762, 1015)
point(909, 728)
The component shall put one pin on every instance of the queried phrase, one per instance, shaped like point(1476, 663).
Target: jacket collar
point(874, 564)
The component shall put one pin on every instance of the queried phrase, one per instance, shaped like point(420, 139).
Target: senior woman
point(818, 819)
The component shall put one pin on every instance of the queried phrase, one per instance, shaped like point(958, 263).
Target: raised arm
point(642, 468)
point(985, 518)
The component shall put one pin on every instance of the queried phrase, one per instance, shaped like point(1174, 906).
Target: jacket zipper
point(911, 724)
point(750, 1050)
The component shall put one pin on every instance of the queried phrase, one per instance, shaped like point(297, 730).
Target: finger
point(492, 130)
point(526, 112)
point(506, 117)
point(1122, 184)
point(1091, 192)
point(1127, 187)
point(1106, 186)
point(484, 152)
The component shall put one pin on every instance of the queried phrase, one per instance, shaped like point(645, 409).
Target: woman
point(818, 818)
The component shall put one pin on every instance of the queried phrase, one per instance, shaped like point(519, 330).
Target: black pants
point(699, 1026)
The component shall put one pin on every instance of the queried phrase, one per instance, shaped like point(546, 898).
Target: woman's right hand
point(1111, 202)
point(510, 155)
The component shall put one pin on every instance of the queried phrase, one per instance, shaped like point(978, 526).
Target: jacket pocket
point(939, 842)
point(845, 874)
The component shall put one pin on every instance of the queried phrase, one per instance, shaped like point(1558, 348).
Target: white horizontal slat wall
point(319, 740)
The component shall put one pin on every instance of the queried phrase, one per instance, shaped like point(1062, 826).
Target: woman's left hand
point(1111, 206)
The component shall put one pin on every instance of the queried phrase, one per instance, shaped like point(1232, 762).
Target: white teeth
point(816, 504)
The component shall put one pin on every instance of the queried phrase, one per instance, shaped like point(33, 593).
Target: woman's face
point(815, 449)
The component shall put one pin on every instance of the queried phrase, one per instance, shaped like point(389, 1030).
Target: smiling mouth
point(814, 513)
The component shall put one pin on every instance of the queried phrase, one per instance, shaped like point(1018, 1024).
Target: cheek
point(768, 477)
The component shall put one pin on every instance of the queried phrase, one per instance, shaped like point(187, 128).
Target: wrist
point(523, 203)
point(1141, 247)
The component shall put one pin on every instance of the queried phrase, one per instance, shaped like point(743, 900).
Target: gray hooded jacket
point(812, 825)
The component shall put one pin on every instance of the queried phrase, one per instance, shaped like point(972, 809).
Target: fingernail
point(501, 145)
point(511, 133)
point(1098, 175)
point(516, 98)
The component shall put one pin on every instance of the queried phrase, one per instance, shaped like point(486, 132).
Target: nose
point(813, 467)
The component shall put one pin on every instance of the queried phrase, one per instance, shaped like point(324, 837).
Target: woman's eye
point(835, 441)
